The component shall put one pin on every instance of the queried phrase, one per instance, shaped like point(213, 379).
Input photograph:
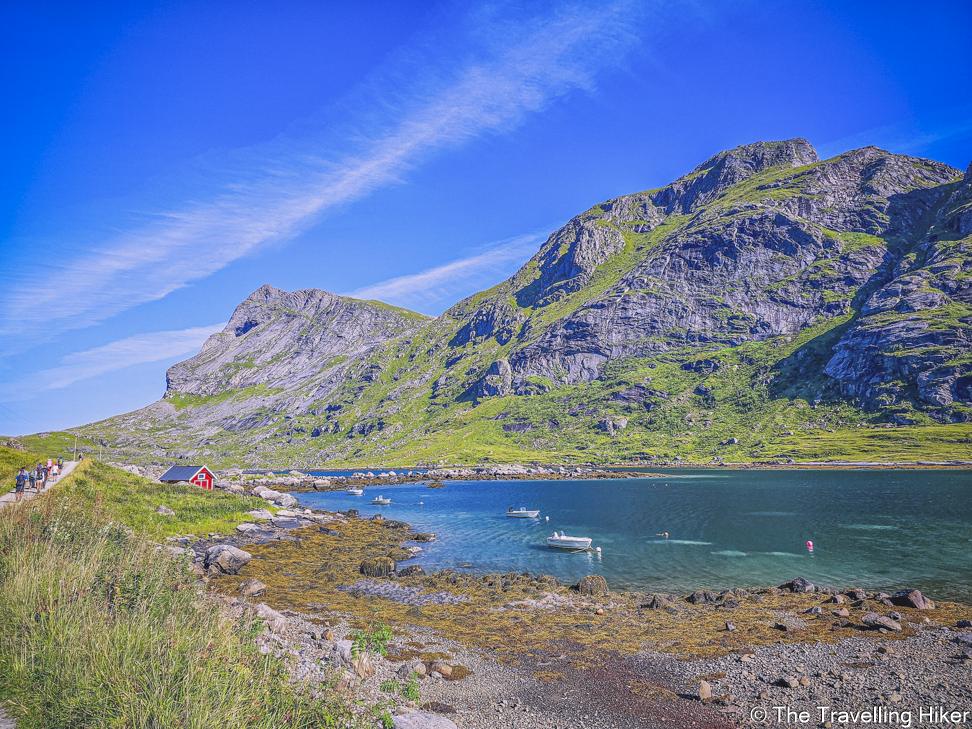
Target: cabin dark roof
point(180, 473)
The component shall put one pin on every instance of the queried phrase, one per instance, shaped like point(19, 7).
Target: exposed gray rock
point(422, 720)
point(227, 558)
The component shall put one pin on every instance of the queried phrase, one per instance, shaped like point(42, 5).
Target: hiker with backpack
point(20, 484)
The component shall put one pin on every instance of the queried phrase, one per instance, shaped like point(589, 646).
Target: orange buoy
point(666, 535)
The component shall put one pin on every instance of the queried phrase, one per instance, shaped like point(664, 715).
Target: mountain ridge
point(734, 264)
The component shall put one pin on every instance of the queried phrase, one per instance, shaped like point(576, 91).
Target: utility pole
point(75, 446)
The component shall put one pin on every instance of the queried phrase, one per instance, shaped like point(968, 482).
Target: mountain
point(767, 305)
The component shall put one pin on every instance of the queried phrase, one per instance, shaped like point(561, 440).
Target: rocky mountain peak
point(750, 159)
point(718, 173)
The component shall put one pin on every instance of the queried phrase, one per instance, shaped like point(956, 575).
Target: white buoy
point(598, 550)
point(547, 518)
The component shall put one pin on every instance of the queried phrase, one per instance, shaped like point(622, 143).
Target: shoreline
point(532, 643)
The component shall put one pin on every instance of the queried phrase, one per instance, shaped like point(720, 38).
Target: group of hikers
point(36, 478)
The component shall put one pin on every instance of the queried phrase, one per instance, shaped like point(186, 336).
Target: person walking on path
point(32, 479)
point(20, 484)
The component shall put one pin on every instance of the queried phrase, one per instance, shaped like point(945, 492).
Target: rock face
point(592, 585)
point(873, 251)
point(228, 559)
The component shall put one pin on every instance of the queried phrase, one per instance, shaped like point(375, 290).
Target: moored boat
point(354, 491)
point(562, 541)
point(522, 513)
point(380, 501)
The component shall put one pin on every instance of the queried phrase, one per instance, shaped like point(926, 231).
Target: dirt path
point(9, 497)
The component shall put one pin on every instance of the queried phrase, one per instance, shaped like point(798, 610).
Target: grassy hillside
point(98, 628)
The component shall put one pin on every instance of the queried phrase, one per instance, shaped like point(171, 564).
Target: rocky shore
point(525, 651)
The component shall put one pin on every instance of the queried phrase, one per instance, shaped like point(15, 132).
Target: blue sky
point(162, 161)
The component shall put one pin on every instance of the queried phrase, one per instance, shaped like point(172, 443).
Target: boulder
point(251, 588)
point(443, 668)
point(879, 621)
point(855, 593)
point(342, 656)
point(422, 720)
point(838, 599)
point(964, 624)
point(277, 622)
point(912, 599)
point(411, 571)
point(285, 523)
point(409, 667)
point(705, 691)
point(247, 527)
point(285, 500)
point(164, 511)
point(260, 514)
point(377, 567)
point(701, 597)
point(798, 585)
point(227, 558)
point(592, 585)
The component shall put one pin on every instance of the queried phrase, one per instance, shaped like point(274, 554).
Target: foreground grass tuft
point(100, 628)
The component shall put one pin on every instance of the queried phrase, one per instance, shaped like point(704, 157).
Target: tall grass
point(100, 629)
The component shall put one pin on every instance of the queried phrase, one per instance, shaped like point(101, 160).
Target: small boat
point(381, 501)
point(562, 541)
point(354, 491)
point(523, 513)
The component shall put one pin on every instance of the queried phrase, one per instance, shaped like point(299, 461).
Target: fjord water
point(877, 529)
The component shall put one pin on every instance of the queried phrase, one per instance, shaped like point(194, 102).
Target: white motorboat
point(523, 513)
point(354, 491)
point(562, 541)
point(381, 501)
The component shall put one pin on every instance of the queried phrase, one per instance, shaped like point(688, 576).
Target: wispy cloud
point(139, 349)
point(238, 203)
point(435, 286)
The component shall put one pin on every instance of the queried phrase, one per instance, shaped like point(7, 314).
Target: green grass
point(99, 629)
point(132, 500)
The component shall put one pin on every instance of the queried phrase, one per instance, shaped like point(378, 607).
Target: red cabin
point(198, 475)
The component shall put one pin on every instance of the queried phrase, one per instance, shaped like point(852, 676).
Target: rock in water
point(377, 567)
point(252, 588)
point(592, 585)
point(228, 559)
point(912, 599)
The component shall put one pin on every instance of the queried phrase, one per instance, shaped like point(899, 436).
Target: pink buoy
point(810, 546)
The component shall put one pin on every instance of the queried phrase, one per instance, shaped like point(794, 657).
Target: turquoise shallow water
point(727, 528)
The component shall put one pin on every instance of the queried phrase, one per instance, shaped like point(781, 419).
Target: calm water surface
point(874, 529)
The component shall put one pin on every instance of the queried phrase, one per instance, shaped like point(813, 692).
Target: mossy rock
point(420, 537)
point(400, 555)
point(548, 581)
point(592, 585)
point(378, 567)
point(413, 570)
point(436, 485)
